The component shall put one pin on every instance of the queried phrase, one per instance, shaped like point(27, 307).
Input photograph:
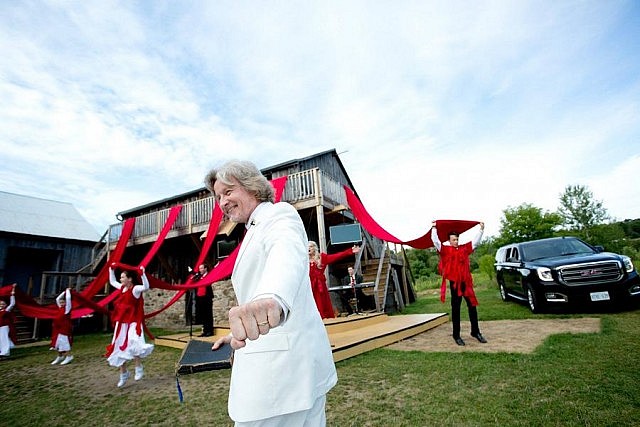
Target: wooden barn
point(40, 239)
point(315, 187)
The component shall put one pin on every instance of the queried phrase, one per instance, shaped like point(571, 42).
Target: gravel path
point(511, 336)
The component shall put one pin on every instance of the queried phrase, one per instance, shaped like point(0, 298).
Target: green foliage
point(423, 263)
point(425, 283)
point(580, 211)
point(526, 222)
point(610, 236)
point(631, 228)
point(418, 260)
point(485, 263)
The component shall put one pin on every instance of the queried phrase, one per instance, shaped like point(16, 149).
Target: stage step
point(349, 336)
point(381, 331)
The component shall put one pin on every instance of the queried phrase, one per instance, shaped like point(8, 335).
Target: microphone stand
point(355, 295)
point(192, 301)
point(190, 314)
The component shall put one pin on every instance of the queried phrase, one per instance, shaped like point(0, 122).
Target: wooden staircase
point(24, 328)
point(386, 282)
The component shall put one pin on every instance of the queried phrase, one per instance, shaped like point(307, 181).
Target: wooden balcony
point(303, 190)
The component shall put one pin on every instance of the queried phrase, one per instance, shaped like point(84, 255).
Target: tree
point(526, 222)
point(610, 236)
point(579, 210)
point(486, 266)
point(631, 228)
point(419, 263)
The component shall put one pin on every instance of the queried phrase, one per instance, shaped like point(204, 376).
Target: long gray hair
point(247, 174)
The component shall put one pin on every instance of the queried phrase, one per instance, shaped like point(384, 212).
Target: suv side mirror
point(599, 248)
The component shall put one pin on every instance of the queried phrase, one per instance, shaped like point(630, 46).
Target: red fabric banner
point(422, 242)
point(171, 219)
point(29, 307)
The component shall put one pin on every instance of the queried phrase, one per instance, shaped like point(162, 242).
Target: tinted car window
point(554, 248)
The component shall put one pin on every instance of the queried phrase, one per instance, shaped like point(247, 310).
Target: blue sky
point(440, 109)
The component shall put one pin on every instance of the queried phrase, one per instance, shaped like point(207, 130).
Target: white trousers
point(62, 343)
point(5, 342)
point(313, 417)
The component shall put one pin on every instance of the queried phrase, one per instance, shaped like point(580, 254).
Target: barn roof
point(46, 218)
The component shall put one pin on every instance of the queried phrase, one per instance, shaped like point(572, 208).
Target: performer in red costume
point(318, 262)
point(7, 327)
point(62, 329)
point(128, 341)
point(204, 300)
point(454, 267)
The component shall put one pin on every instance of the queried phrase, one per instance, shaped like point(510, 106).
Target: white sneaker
point(139, 373)
point(57, 360)
point(67, 360)
point(123, 379)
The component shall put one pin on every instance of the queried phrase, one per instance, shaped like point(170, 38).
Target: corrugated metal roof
point(41, 217)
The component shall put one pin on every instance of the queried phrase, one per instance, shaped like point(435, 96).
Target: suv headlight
point(545, 274)
point(628, 264)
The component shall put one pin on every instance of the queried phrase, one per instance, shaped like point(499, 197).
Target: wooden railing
point(195, 215)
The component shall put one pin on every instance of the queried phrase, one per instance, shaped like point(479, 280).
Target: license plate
point(600, 296)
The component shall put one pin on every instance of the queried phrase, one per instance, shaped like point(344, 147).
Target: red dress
point(319, 282)
point(454, 266)
point(61, 325)
point(127, 309)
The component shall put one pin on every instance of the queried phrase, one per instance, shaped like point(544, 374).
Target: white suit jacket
point(287, 369)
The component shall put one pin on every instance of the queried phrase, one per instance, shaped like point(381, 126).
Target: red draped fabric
point(103, 275)
point(223, 269)
point(171, 219)
point(29, 307)
point(422, 242)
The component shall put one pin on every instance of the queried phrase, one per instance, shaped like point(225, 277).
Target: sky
point(438, 109)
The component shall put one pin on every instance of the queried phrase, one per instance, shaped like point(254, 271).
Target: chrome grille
point(591, 274)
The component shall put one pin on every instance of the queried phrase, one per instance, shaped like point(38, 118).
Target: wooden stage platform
point(349, 336)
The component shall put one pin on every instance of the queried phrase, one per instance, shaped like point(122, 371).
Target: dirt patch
point(510, 336)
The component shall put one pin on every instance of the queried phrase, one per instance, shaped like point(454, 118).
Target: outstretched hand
point(250, 320)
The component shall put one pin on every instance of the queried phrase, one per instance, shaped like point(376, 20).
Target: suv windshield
point(554, 248)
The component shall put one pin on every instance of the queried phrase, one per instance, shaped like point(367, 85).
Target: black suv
point(564, 271)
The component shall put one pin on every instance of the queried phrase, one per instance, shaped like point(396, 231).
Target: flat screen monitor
point(345, 233)
point(225, 248)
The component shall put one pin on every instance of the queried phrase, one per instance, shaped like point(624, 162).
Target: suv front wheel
point(503, 292)
point(532, 299)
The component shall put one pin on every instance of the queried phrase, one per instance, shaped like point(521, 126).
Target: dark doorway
point(24, 266)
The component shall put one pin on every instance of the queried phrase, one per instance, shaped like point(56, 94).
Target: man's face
point(234, 200)
point(453, 240)
point(202, 269)
point(350, 270)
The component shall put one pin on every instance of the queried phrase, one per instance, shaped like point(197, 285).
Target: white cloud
point(441, 110)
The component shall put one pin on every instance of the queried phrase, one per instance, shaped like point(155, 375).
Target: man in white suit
point(283, 366)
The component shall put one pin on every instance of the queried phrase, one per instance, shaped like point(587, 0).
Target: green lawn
point(571, 380)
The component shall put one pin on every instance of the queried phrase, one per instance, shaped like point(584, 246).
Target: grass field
point(571, 380)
